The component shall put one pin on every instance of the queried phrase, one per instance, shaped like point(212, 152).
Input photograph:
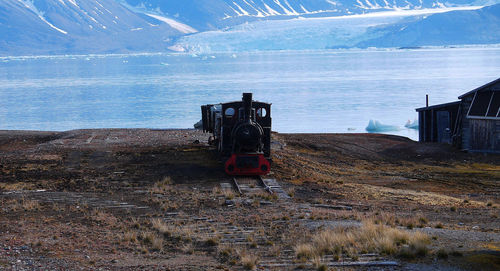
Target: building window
point(485, 104)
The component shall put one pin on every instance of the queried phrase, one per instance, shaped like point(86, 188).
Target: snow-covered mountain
point(78, 26)
point(480, 26)
point(218, 14)
point(120, 26)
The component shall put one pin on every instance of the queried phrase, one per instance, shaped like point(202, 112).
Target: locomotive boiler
point(241, 131)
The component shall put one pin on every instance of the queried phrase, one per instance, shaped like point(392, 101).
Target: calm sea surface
point(314, 91)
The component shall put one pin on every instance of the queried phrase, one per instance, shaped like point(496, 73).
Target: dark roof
point(437, 106)
point(479, 88)
point(253, 102)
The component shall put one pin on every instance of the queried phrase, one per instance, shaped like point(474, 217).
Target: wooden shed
point(472, 123)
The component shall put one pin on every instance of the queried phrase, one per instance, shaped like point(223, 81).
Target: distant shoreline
point(173, 53)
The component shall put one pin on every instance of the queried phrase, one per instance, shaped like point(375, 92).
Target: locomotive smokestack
point(247, 105)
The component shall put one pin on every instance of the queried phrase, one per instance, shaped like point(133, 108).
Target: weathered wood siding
point(484, 135)
point(465, 125)
point(421, 126)
point(479, 131)
point(437, 123)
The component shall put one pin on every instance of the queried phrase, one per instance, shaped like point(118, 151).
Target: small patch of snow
point(73, 2)
point(51, 25)
point(243, 12)
point(177, 48)
point(186, 29)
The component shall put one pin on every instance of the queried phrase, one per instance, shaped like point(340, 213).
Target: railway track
point(251, 185)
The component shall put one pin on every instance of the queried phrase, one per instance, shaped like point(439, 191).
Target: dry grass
point(384, 218)
point(305, 251)
point(439, 225)
point(228, 194)
point(217, 191)
point(187, 248)
point(174, 231)
point(275, 250)
point(318, 264)
point(135, 223)
point(30, 205)
point(265, 196)
point(103, 217)
point(162, 186)
point(212, 241)
point(157, 243)
point(183, 233)
point(166, 204)
point(147, 237)
point(22, 204)
point(57, 207)
point(227, 253)
point(159, 225)
point(17, 186)
point(369, 238)
point(421, 197)
point(483, 261)
point(130, 236)
point(249, 262)
point(152, 240)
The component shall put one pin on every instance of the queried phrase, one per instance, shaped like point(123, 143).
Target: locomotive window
point(229, 112)
point(261, 112)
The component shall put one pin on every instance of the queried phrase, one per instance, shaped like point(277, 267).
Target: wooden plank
point(237, 186)
point(421, 125)
point(432, 137)
point(334, 207)
point(483, 135)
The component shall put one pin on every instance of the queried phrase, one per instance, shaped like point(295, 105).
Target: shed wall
point(465, 125)
point(484, 135)
point(437, 123)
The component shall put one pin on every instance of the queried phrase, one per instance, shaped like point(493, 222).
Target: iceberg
point(198, 125)
point(412, 125)
point(375, 126)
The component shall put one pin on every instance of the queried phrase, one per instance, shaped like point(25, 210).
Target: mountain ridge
point(218, 14)
point(34, 27)
point(75, 26)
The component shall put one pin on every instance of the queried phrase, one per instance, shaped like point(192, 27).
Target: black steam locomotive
point(242, 133)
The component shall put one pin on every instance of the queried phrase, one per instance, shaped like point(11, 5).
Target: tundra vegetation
point(157, 202)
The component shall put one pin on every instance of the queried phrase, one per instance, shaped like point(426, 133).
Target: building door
point(443, 127)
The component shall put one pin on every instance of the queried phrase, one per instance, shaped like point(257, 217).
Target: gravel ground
point(87, 199)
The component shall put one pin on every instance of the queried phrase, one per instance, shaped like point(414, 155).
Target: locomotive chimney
point(247, 105)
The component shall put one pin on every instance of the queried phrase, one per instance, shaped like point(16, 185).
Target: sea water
point(321, 91)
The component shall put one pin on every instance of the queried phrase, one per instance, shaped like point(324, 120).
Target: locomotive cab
point(242, 133)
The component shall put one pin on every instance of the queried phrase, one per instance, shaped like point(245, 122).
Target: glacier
point(295, 34)
point(302, 33)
